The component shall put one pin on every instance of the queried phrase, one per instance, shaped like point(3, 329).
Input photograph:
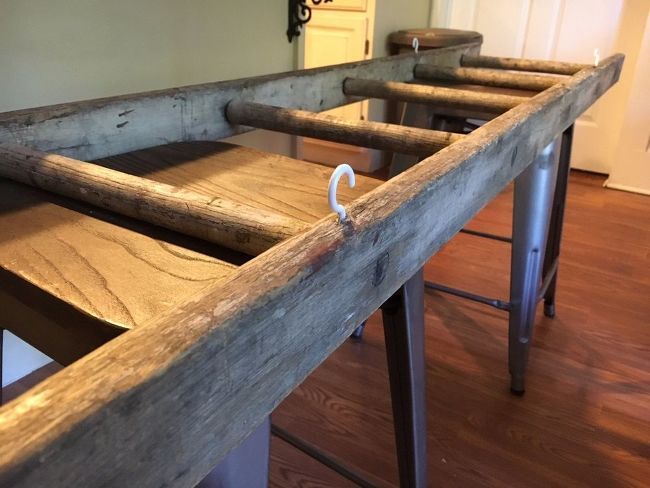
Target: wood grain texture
point(265, 181)
point(584, 421)
point(98, 128)
point(74, 276)
point(489, 77)
point(376, 135)
point(292, 467)
point(438, 96)
point(210, 217)
point(517, 64)
point(251, 340)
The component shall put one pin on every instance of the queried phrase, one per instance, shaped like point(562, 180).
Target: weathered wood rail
point(377, 135)
point(487, 77)
point(164, 402)
point(218, 220)
point(516, 64)
point(435, 95)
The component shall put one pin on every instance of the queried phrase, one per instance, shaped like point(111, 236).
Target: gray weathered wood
point(488, 77)
point(516, 64)
point(208, 217)
point(436, 95)
point(376, 135)
point(161, 404)
point(98, 128)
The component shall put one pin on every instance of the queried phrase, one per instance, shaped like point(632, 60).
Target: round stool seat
point(432, 38)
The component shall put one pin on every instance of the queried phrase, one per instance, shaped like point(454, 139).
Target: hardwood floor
point(585, 418)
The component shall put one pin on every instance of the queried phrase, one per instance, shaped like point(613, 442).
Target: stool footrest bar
point(487, 235)
point(493, 302)
point(320, 456)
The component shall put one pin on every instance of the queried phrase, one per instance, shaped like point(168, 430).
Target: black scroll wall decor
point(299, 15)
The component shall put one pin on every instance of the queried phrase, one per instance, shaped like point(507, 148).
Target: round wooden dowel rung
point(376, 135)
point(516, 64)
point(434, 95)
point(487, 77)
point(221, 221)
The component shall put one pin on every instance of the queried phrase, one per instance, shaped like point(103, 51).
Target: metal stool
point(538, 214)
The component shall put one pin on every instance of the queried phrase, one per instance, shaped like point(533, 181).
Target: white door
point(565, 30)
point(339, 32)
point(632, 171)
point(334, 37)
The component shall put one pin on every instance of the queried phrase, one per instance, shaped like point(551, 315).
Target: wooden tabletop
point(72, 276)
point(274, 182)
point(80, 266)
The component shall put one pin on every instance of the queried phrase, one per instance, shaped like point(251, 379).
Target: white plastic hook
point(416, 44)
point(341, 169)
point(596, 56)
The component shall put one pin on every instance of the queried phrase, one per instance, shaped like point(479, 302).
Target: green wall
point(393, 15)
point(55, 51)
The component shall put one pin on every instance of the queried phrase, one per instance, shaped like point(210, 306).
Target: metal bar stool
point(538, 212)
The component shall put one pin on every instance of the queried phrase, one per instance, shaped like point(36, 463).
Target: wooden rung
point(516, 64)
point(436, 95)
point(488, 77)
point(230, 224)
point(376, 135)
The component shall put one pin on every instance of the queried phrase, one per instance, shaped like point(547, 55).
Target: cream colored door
point(566, 30)
point(338, 34)
point(632, 171)
point(334, 37)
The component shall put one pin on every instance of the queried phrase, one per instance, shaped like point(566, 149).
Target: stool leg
point(358, 332)
point(557, 220)
point(403, 317)
point(247, 465)
point(533, 196)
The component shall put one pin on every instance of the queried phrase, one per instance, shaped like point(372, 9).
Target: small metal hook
point(416, 44)
point(341, 169)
